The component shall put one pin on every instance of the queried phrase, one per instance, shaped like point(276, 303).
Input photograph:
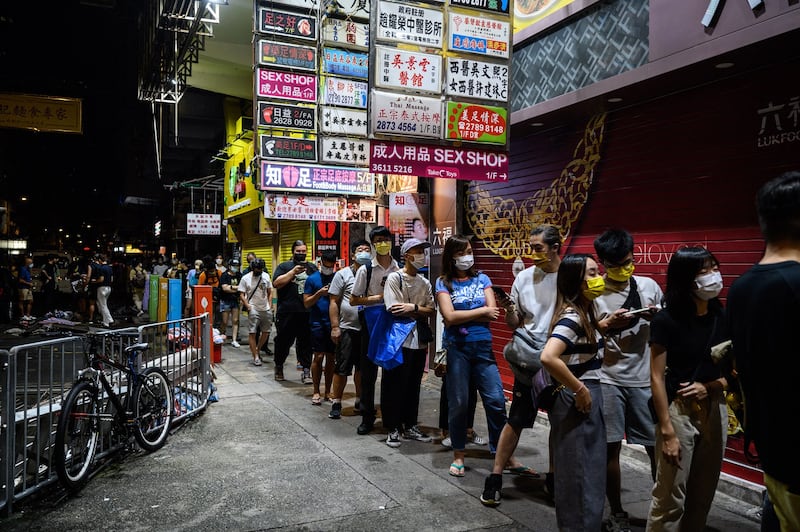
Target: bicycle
point(143, 408)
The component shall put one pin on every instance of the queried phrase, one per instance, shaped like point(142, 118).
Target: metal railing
point(36, 377)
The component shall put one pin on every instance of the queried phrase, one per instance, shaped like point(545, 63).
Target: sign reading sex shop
point(286, 85)
point(316, 178)
point(437, 161)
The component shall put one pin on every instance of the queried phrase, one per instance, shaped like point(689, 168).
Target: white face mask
point(234, 269)
point(708, 286)
point(418, 261)
point(219, 262)
point(326, 270)
point(465, 262)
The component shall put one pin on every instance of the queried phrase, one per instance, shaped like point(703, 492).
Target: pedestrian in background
point(368, 291)
point(255, 294)
point(49, 276)
point(763, 314)
point(25, 288)
point(317, 301)
point(137, 278)
point(688, 397)
point(625, 375)
point(291, 319)
point(192, 280)
point(346, 327)
point(467, 304)
point(572, 357)
point(229, 300)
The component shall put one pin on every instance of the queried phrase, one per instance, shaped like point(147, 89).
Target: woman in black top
point(687, 392)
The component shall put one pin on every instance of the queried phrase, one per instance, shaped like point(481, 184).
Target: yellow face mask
point(594, 288)
point(620, 273)
point(540, 258)
point(383, 248)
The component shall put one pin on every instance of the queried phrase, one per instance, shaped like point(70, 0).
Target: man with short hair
point(763, 312)
point(346, 327)
point(368, 291)
point(255, 294)
point(291, 319)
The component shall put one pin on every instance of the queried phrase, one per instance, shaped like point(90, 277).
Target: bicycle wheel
point(152, 409)
point(76, 436)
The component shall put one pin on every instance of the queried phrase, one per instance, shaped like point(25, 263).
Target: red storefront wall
point(679, 170)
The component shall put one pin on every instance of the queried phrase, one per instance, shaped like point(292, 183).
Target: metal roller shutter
point(291, 230)
point(261, 245)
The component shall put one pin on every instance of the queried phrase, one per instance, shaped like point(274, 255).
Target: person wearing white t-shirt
point(255, 293)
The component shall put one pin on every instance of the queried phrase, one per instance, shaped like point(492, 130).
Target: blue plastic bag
point(386, 336)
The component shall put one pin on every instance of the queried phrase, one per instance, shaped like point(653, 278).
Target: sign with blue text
point(344, 92)
point(345, 63)
point(479, 35)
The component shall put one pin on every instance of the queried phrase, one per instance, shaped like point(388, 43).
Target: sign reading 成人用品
point(316, 178)
point(287, 24)
point(286, 85)
point(287, 116)
point(279, 54)
point(401, 69)
point(477, 79)
point(476, 122)
point(406, 115)
point(437, 161)
point(287, 148)
point(479, 35)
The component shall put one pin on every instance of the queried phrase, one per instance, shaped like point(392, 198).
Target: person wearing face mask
point(229, 300)
point(407, 295)
point(317, 300)
point(346, 327)
point(368, 291)
point(573, 356)
point(531, 305)
point(192, 279)
point(625, 375)
point(687, 391)
point(291, 319)
point(467, 304)
point(219, 263)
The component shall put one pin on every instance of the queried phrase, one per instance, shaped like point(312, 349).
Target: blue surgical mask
point(363, 257)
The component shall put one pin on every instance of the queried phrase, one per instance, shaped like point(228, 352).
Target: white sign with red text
point(400, 69)
point(203, 224)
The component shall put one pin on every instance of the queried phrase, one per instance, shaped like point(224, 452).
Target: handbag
point(440, 363)
point(523, 354)
point(424, 331)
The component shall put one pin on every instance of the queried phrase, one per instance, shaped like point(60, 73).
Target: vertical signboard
point(326, 237)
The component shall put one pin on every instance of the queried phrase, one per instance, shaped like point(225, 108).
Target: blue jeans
point(473, 360)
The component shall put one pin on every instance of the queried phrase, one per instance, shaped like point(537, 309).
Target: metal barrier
point(36, 377)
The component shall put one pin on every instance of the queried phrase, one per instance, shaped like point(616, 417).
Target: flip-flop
point(456, 470)
point(316, 400)
point(522, 471)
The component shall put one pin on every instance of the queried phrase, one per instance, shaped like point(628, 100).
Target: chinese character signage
point(400, 69)
point(477, 79)
point(397, 114)
point(277, 115)
point(476, 123)
point(345, 63)
point(493, 6)
point(345, 33)
point(410, 24)
point(287, 24)
point(288, 148)
point(203, 224)
point(346, 92)
point(348, 8)
point(307, 178)
point(479, 35)
point(327, 237)
point(338, 121)
point(279, 54)
point(41, 113)
point(291, 207)
point(341, 150)
point(438, 161)
point(286, 85)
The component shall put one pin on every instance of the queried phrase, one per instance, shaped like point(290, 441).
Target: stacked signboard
point(311, 87)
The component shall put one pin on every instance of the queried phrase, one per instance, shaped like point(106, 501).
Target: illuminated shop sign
point(308, 178)
point(277, 115)
point(283, 148)
point(409, 24)
point(476, 123)
point(438, 161)
point(406, 115)
point(287, 24)
point(279, 54)
point(286, 85)
point(479, 35)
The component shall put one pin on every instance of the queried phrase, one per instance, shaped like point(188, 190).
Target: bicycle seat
point(137, 348)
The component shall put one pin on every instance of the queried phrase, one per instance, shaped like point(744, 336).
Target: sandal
point(456, 470)
point(521, 471)
point(316, 400)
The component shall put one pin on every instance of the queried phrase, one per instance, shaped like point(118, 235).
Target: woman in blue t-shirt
point(468, 305)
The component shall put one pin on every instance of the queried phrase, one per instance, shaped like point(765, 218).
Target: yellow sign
point(41, 113)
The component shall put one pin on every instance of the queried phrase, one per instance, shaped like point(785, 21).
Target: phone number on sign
point(391, 168)
point(388, 125)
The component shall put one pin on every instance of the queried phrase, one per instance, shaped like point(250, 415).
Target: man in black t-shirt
point(229, 299)
point(291, 318)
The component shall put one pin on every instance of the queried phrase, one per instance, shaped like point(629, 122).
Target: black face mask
point(299, 257)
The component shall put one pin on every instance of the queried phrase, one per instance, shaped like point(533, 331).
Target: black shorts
point(521, 415)
point(321, 339)
point(348, 351)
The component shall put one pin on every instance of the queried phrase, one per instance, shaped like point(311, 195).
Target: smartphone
point(639, 310)
point(499, 292)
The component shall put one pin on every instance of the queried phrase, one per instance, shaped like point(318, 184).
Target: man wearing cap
point(255, 293)
point(407, 296)
point(229, 299)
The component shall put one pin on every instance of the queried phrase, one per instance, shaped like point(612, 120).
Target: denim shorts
point(225, 306)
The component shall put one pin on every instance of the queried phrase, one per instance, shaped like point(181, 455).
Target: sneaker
point(235, 344)
point(364, 428)
point(393, 439)
point(475, 438)
point(307, 377)
point(618, 522)
point(336, 411)
point(414, 433)
point(257, 362)
point(447, 442)
point(491, 490)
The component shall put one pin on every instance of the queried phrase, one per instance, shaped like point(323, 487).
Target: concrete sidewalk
point(263, 458)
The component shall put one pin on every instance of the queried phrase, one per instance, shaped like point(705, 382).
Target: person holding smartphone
point(317, 301)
